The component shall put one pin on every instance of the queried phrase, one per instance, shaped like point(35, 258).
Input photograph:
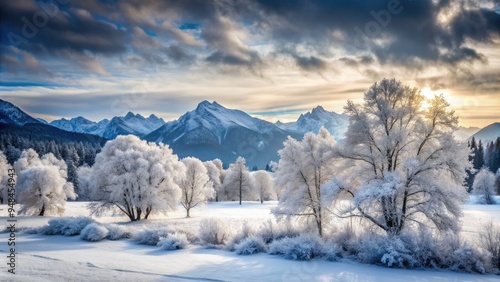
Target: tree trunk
point(139, 213)
point(240, 194)
point(187, 212)
point(148, 211)
point(42, 211)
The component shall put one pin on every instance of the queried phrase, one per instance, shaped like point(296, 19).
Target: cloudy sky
point(272, 59)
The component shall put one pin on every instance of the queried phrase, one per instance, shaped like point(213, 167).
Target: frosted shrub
point(68, 226)
point(303, 247)
point(151, 237)
point(468, 259)
point(489, 239)
point(94, 232)
point(173, 241)
point(248, 229)
point(396, 254)
point(272, 230)
point(251, 245)
point(214, 232)
point(117, 232)
point(417, 251)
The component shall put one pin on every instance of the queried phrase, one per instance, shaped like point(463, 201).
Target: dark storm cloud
point(45, 29)
point(412, 34)
point(311, 63)
point(401, 32)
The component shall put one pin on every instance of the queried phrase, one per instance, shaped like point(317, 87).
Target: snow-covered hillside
point(10, 114)
point(488, 133)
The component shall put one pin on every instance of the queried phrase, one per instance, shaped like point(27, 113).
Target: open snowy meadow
point(69, 258)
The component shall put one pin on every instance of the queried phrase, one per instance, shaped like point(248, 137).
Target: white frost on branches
point(401, 162)
point(136, 177)
point(196, 185)
point(304, 168)
point(483, 186)
point(238, 183)
point(42, 186)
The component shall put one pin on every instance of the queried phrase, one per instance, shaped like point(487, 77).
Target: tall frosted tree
point(195, 185)
point(214, 174)
point(136, 177)
point(402, 164)
point(263, 186)
point(483, 186)
point(238, 182)
point(304, 168)
point(42, 186)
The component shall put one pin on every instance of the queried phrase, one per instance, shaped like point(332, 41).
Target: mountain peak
point(207, 105)
point(318, 110)
point(129, 115)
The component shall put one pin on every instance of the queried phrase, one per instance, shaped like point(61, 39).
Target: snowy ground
point(61, 258)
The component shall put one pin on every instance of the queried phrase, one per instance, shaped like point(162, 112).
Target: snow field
point(69, 258)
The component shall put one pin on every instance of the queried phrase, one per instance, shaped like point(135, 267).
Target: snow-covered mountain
point(10, 114)
point(132, 124)
point(488, 133)
point(81, 125)
point(129, 124)
point(213, 131)
point(335, 123)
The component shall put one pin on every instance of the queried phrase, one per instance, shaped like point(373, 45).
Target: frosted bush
point(151, 237)
point(489, 239)
point(251, 245)
point(68, 226)
point(173, 241)
point(214, 232)
point(94, 232)
point(468, 259)
point(421, 250)
point(248, 229)
point(117, 232)
point(333, 252)
point(272, 230)
point(303, 247)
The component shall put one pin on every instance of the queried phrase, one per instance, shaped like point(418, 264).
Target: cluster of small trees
point(74, 154)
point(485, 161)
point(139, 178)
point(133, 176)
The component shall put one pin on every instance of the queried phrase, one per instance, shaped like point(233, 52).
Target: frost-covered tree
point(85, 176)
point(483, 186)
point(195, 185)
point(238, 183)
point(304, 167)
point(402, 164)
point(214, 174)
point(136, 177)
point(42, 186)
point(4, 178)
point(263, 186)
